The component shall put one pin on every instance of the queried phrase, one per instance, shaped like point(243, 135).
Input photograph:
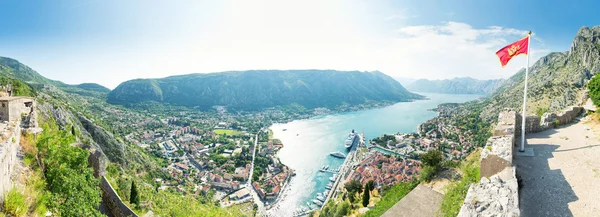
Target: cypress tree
point(135, 196)
point(366, 197)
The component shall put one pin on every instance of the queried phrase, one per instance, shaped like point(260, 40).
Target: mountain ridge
point(458, 85)
point(259, 89)
point(556, 81)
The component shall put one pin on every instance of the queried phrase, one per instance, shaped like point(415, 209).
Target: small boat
point(318, 202)
point(319, 194)
point(326, 167)
point(338, 154)
point(325, 193)
point(333, 178)
point(321, 198)
point(329, 186)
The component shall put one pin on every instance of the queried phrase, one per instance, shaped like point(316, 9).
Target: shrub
point(342, 209)
point(457, 191)
point(594, 87)
point(540, 111)
point(432, 158)
point(394, 195)
point(427, 173)
point(14, 203)
point(555, 123)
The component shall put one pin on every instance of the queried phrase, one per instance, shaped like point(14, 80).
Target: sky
point(112, 41)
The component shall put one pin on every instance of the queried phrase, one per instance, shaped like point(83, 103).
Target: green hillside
point(251, 90)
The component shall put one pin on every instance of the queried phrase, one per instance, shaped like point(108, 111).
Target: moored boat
point(318, 202)
point(338, 154)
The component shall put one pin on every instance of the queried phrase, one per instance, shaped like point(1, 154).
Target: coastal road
point(261, 207)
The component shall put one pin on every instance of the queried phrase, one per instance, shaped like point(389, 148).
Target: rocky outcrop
point(496, 196)
point(91, 134)
point(114, 150)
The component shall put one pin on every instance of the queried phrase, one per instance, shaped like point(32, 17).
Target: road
point(261, 207)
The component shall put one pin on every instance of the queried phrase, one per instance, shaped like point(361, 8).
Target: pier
point(329, 171)
point(345, 169)
point(304, 213)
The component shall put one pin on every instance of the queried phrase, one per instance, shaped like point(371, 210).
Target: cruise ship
point(352, 140)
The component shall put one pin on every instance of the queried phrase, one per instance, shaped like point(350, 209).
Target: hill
point(259, 89)
point(93, 87)
point(556, 81)
point(463, 85)
point(13, 69)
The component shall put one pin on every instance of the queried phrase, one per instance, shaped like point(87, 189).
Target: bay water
point(307, 143)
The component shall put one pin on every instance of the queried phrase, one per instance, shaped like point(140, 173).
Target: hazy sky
point(111, 41)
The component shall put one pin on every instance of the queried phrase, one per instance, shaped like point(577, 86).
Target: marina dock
point(328, 171)
point(345, 169)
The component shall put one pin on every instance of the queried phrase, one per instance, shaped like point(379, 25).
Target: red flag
point(514, 49)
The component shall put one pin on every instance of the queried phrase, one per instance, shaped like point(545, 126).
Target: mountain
point(259, 89)
point(93, 87)
point(464, 85)
point(556, 81)
point(13, 69)
point(405, 81)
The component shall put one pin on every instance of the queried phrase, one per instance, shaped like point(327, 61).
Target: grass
point(457, 191)
point(14, 203)
point(391, 197)
point(227, 132)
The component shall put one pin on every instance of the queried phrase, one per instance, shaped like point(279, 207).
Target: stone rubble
point(496, 196)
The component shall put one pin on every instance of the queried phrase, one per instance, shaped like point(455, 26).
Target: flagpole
point(522, 149)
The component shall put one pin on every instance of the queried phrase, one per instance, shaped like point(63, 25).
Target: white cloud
point(450, 50)
point(169, 39)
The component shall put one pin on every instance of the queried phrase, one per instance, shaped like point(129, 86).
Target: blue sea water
point(307, 143)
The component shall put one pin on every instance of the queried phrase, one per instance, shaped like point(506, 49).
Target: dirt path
point(563, 178)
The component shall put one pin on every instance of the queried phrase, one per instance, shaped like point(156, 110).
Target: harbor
point(353, 143)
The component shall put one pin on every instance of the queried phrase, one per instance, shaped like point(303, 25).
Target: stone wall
point(110, 198)
point(497, 193)
point(113, 202)
point(8, 156)
point(534, 123)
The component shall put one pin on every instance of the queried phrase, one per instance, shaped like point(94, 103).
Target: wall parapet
point(113, 201)
point(497, 193)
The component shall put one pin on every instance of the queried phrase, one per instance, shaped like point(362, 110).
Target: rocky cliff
point(556, 81)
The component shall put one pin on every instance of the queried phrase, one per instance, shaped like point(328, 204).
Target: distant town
point(232, 157)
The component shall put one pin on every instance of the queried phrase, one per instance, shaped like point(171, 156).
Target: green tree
point(342, 209)
point(366, 197)
point(432, 158)
point(353, 186)
point(371, 185)
point(74, 189)
point(594, 87)
point(135, 195)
